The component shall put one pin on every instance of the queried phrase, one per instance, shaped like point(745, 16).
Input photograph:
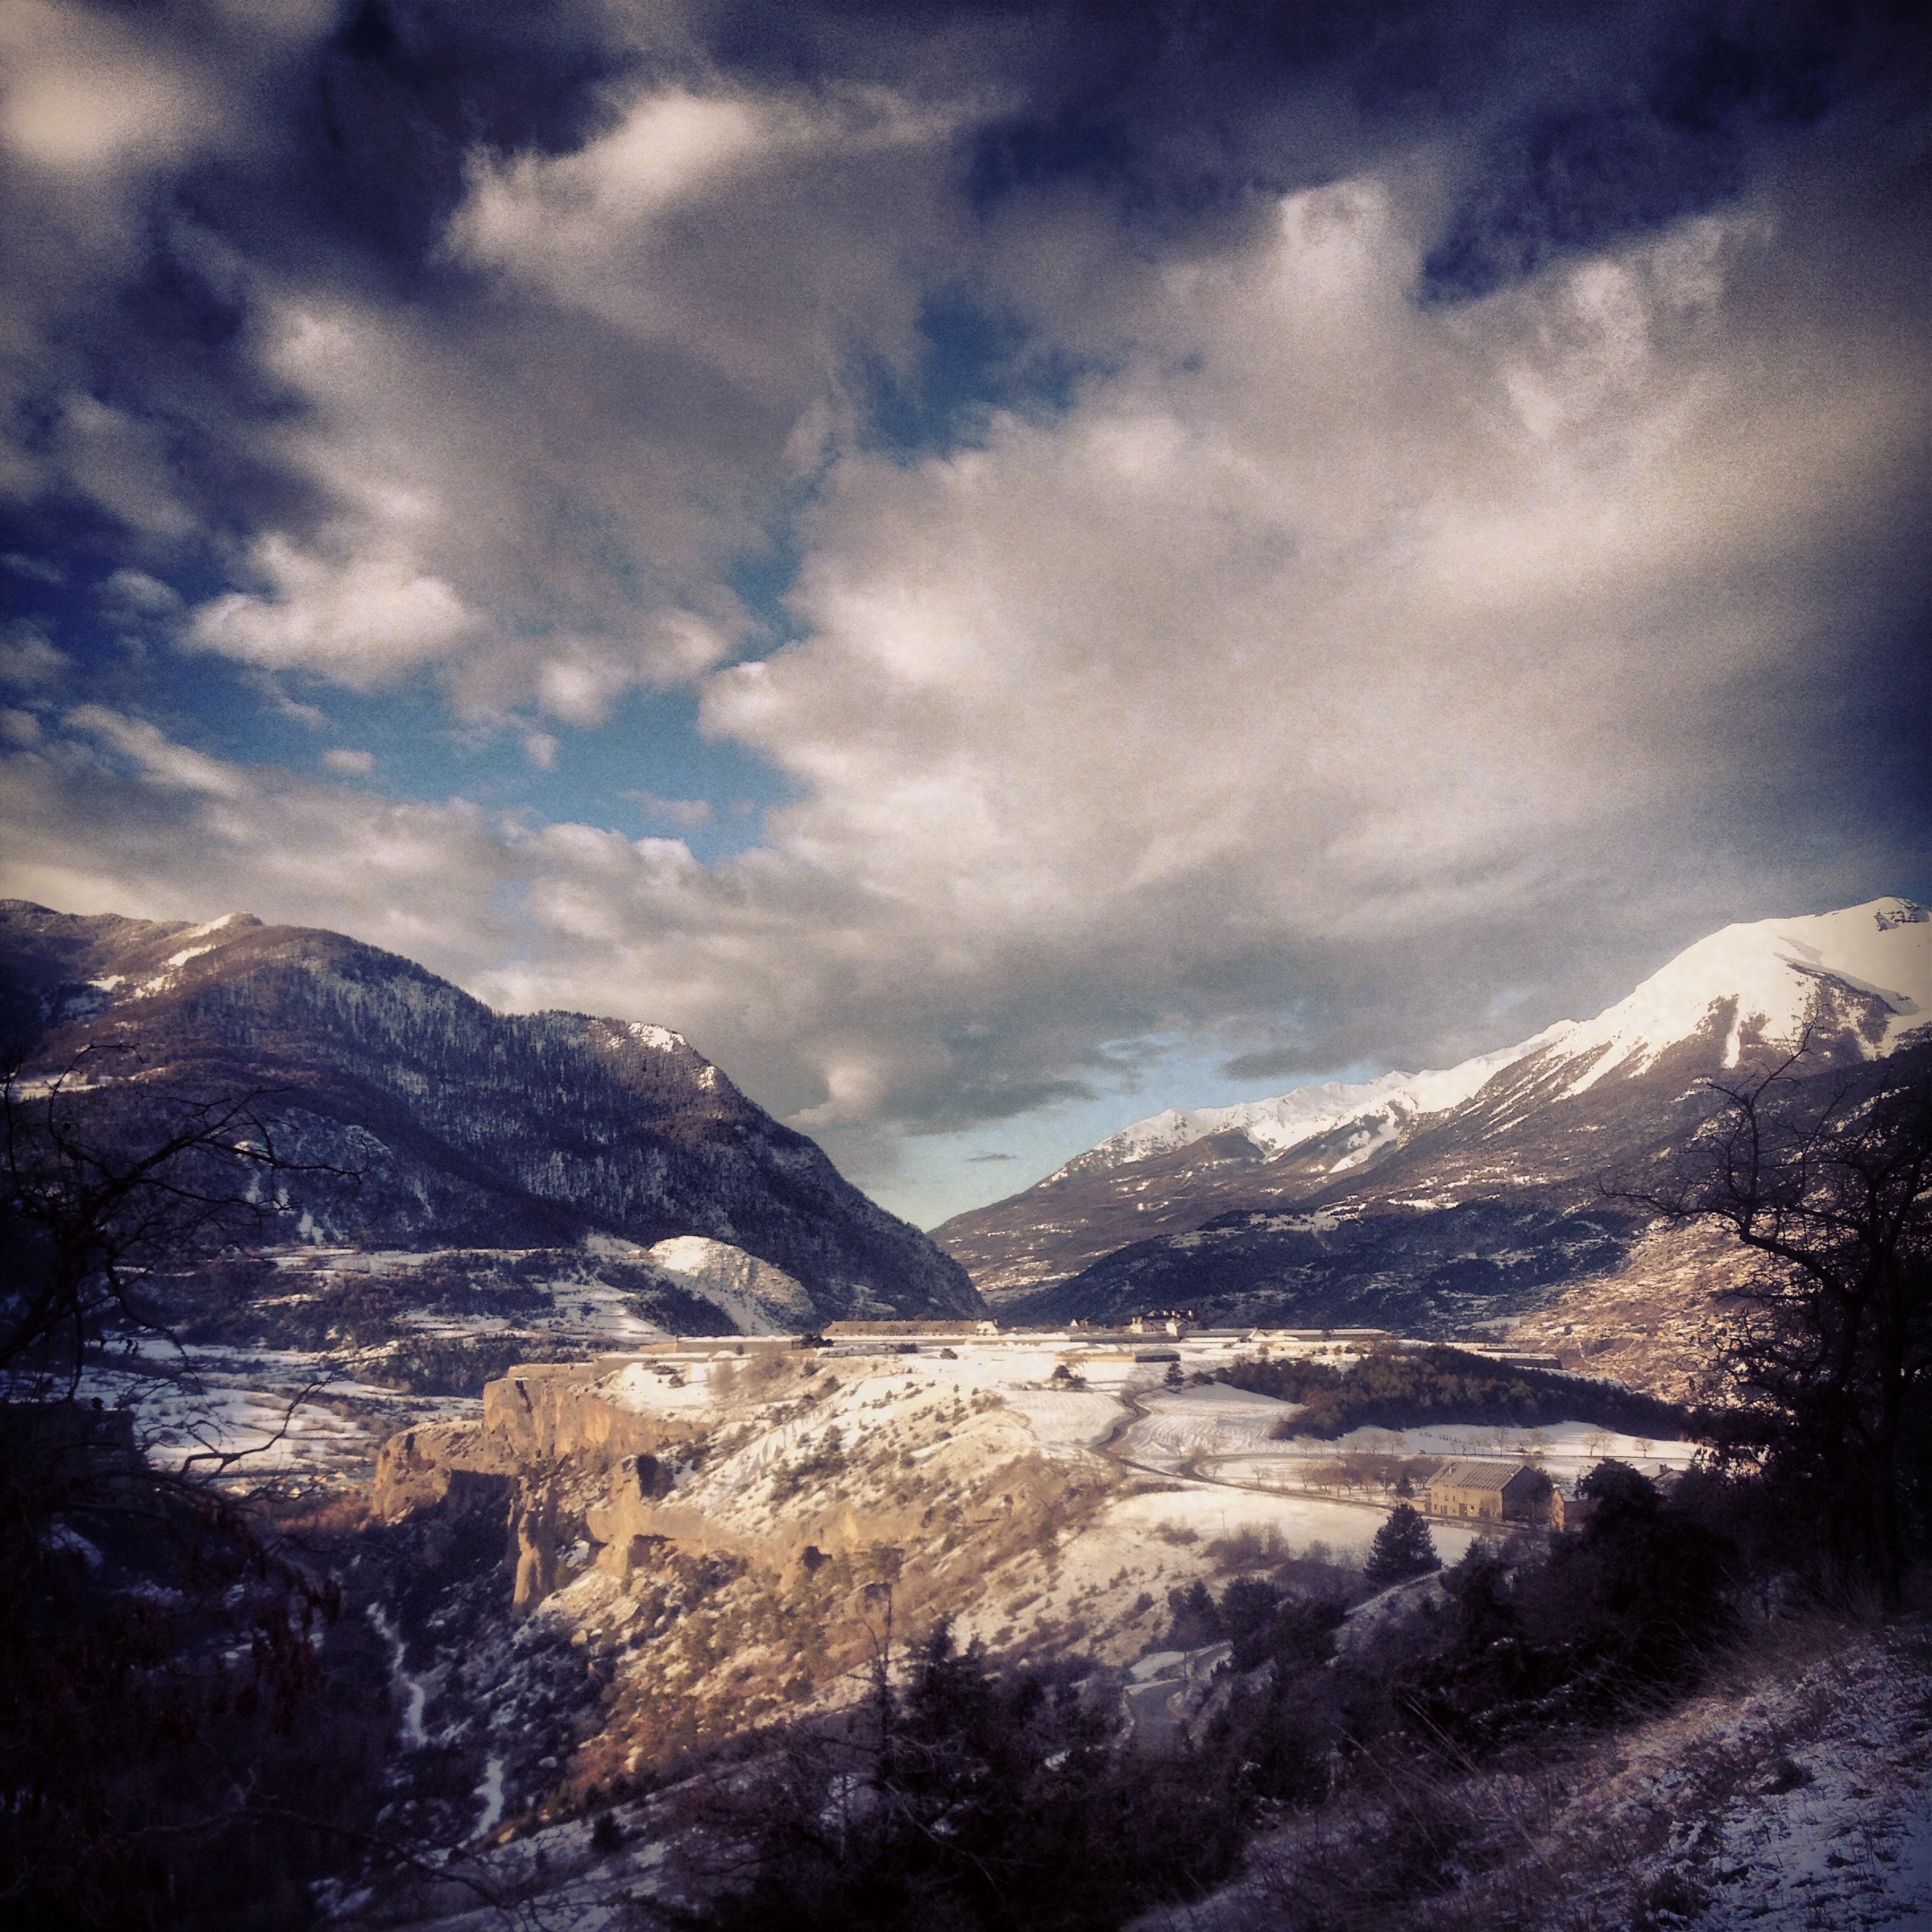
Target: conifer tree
point(1402, 1548)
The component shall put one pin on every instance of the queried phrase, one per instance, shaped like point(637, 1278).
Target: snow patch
point(489, 1794)
point(759, 1298)
point(661, 1039)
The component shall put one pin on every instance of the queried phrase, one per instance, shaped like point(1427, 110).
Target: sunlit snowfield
point(300, 1414)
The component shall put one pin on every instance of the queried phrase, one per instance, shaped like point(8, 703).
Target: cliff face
point(543, 1414)
point(611, 1457)
point(462, 1127)
point(547, 1444)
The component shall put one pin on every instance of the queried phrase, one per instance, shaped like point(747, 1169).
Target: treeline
point(1407, 1388)
point(246, 1299)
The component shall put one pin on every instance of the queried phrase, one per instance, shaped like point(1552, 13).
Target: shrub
point(1195, 1618)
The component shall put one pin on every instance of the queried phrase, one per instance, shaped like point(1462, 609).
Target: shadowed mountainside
point(1378, 1208)
point(466, 1127)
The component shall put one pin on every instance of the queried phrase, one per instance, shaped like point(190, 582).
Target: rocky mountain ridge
point(1372, 1206)
point(462, 1127)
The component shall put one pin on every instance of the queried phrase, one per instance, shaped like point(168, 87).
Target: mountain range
point(1439, 1201)
point(464, 1127)
point(1432, 1203)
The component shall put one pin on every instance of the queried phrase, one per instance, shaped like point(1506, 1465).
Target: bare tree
point(105, 1175)
point(159, 1641)
point(1829, 1180)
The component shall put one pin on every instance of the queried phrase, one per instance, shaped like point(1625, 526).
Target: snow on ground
point(1065, 1422)
point(277, 1412)
point(1210, 1511)
point(1182, 1426)
point(1799, 1799)
point(266, 1428)
point(1835, 1827)
point(1227, 1433)
point(1224, 1474)
point(761, 1299)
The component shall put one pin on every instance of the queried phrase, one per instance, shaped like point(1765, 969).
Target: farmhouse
point(1490, 1492)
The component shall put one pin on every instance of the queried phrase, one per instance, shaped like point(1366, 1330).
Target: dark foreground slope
point(465, 1127)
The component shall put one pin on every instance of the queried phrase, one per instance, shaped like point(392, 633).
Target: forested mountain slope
point(464, 1127)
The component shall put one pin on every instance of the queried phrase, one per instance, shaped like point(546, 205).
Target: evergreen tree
point(1402, 1548)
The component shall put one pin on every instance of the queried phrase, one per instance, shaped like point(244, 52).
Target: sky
point(1001, 567)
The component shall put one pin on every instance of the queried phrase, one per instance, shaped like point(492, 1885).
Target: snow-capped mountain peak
point(1778, 976)
point(1775, 975)
point(1274, 1126)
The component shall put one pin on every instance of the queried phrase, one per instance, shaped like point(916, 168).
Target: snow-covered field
point(1212, 1511)
point(1227, 1433)
point(250, 1416)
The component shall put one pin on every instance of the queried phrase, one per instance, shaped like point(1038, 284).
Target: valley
point(669, 1499)
point(721, 1522)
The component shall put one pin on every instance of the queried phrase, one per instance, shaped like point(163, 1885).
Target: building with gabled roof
point(1490, 1491)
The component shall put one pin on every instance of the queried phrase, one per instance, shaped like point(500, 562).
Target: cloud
point(132, 597)
point(535, 494)
point(1412, 564)
point(686, 814)
point(27, 655)
point(1334, 660)
point(351, 764)
point(750, 229)
point(1308, 688)
point(88, 94)
point(161, 763)
point(187, 830)
point(358, 619)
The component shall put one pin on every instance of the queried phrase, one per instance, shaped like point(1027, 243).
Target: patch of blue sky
point(117, 653)
point(974, 363)
point(762, 581)
point(645, 771)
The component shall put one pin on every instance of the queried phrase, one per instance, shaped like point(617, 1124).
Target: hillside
point(465, 1128)
point(1439, 1200)
point(1160, 1586)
